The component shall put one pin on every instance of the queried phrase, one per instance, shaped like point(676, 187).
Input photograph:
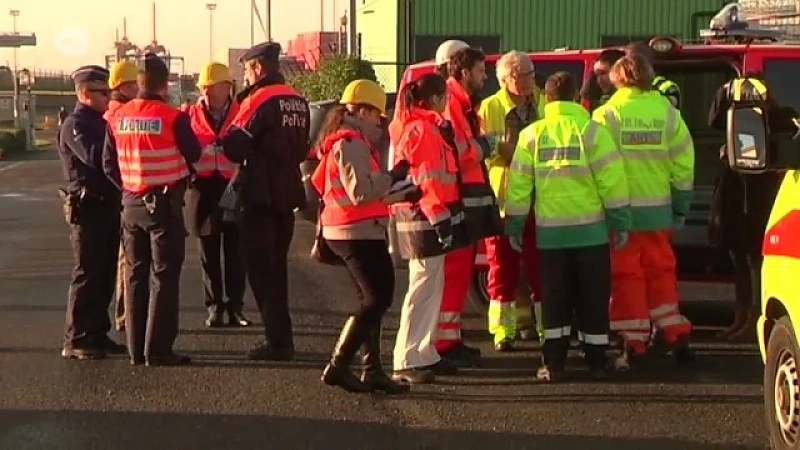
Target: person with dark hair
point(568, 169)
point(467, 74)
point(741, 210)
point(91, 207)
point(669, 89)
point(269, 138)
point(150, 157)
point(353, 219)
point(598, 88)
point(427, 230)
point(659, 160)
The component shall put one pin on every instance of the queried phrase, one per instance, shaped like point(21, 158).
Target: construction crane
point(124, 49)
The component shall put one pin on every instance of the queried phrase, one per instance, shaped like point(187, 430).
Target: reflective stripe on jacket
point(568, 167)
point(480, 205)
point(340, 209)
point(435, 170)
point(658, 152)
point(498, 113)
point(212, 159)
point(668, 89)
point(148, 155)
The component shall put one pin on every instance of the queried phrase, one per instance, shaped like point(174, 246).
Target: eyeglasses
point(105, 92)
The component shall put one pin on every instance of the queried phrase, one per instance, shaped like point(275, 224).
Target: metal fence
point(389, 74)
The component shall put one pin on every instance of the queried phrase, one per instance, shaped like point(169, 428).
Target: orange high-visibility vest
point(434, 169)
point(252, 102)
point(212, 159)
point(148, 155)
point(339, 209)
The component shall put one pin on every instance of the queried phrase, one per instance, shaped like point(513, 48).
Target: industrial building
point(501, 25)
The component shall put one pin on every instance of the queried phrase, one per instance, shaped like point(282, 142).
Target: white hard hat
point(447, 49)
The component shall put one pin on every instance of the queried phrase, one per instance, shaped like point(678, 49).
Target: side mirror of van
point(746, 140)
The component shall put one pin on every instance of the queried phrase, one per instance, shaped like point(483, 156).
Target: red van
point(699, 70)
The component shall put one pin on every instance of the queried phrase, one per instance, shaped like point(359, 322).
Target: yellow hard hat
point(214, 73)
point(122, 72)
point(365, 92)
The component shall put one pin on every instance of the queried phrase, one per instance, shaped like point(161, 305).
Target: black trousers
point(266, 236)
point(94, 275)
point(155, 247)
point(213, 248)
point(371, 268)
point(576, 283)
point(747, 285)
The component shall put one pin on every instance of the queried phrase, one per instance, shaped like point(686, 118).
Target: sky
point(70, 36)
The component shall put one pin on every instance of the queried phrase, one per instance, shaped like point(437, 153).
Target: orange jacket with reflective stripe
point(435, 170)
point(339, 208)
point(113, 107)
point(251, 103)
point(469, 153)
point(148, 155)
point(212, 159)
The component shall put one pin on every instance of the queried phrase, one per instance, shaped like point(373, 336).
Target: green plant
point(332, 76)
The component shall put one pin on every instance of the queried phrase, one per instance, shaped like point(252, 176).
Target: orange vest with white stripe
point(339, 208)
point(148, 155)
point(212, 159)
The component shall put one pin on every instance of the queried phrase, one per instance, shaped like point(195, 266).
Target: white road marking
point(3, 168)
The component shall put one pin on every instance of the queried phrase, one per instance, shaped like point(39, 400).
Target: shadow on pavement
point(84, 430)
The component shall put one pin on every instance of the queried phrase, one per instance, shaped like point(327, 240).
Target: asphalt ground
point(223, 401)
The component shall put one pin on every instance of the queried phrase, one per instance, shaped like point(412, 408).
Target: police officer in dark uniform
point(270, 138)
point(91, 207)
point(155, 146)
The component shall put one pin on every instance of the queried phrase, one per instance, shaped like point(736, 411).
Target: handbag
point(320, 250)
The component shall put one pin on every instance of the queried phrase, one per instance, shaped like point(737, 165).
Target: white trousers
point(420, 313)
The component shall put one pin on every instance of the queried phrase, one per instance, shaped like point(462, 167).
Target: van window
point(543, 70)
point(781, 77)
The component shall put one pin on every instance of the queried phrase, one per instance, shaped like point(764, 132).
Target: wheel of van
point(479, 294)
point(782, 387)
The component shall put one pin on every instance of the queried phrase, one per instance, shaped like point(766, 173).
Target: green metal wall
point(545, 24)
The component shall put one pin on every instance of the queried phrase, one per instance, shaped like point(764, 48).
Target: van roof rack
point(731, 25)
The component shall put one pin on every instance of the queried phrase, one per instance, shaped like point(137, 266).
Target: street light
point(14, 13)
point(26, 80)
point(211, 7)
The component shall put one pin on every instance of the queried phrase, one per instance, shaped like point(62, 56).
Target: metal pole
point(14, 14)
point(321, 15)
point(352, 32)
point(252, 23)
point(211, 7)
point(268, 19)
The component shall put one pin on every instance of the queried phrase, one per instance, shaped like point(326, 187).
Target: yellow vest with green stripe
point(668, 89)
point(569, 168)
point(496, 112)
point(658, 152)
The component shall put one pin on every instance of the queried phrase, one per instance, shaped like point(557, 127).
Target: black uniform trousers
point(213, 248)
point(266, 236)
point(156, 241)
point(94, 275)
point(576, 283)
point(371, 268)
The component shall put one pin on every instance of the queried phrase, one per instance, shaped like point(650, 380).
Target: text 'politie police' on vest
point(144, 125)
point(293, 113)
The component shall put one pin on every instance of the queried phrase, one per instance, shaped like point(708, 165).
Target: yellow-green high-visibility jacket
point(498, 114)
point(658, 152)
point(569, 168)
point(668, 89)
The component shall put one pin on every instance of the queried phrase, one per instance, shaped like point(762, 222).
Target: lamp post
point(26, 80)
point(211, 7)
point(14, 13)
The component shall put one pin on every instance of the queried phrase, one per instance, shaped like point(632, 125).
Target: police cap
point(269, 51)
point(153, 65)
point(86, 74)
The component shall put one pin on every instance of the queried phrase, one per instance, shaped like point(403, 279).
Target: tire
point(782, 387)
point(479, 296)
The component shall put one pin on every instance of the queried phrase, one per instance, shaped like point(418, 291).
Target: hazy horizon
point(69, 37)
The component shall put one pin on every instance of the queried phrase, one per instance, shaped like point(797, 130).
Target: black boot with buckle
point(373, 376)
point(337, 372)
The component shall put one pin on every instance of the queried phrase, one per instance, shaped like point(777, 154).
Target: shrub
point(332, 76)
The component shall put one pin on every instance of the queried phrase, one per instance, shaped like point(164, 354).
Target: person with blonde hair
point(517, 104)
point(659, 162)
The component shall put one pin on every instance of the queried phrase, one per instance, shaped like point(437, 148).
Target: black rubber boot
point(337, 372)
point(373, 376)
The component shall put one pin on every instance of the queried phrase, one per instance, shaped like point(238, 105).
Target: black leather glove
point(400, 171)
point(414, 196)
